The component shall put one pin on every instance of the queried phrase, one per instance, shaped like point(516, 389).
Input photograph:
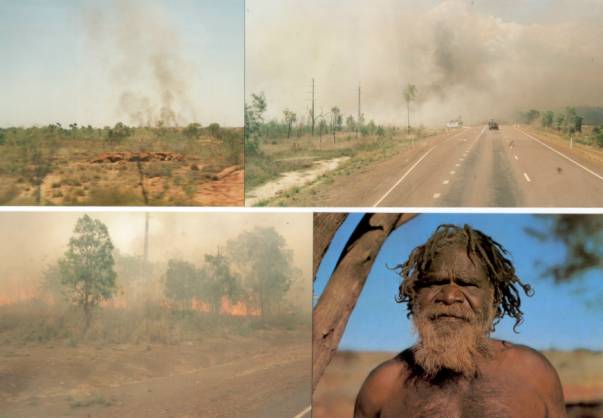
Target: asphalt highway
point(478, 167)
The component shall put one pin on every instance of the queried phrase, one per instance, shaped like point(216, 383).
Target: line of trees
point(116, 133)
point(568, 122)
point(293, 124)
point(255, 268)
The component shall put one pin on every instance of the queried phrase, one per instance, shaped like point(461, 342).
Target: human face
point(454, 289)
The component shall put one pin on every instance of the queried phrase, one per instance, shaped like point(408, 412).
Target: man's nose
point(450, 294)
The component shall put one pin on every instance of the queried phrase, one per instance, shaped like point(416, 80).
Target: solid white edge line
point(412, 168)
point(527, 178)
point(404, 176)
point(561, 154)
point(304, 412)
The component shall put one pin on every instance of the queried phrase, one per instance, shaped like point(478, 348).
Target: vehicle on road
point(492, 124)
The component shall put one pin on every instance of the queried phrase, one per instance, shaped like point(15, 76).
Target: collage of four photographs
point(258, 208)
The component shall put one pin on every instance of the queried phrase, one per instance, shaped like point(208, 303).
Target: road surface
point(265, 383)
point(476, 167)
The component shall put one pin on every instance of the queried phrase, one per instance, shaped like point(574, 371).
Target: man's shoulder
point(530, 364)
point(385, 374)
point(378, 385)
point(532, 368)
point(524, 357)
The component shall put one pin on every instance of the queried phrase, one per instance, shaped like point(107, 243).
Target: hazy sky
point(474, 58)
point(32, 241)
point(557, 316)
point(102, 61)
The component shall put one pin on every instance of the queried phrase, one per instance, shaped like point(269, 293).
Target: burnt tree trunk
point(331, 314)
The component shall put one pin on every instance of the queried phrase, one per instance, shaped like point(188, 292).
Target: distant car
point(492, 124)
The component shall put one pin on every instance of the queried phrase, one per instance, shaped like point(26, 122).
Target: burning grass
point(36, 322)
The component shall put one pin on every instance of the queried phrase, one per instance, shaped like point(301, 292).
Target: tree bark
point(325, 227)
point(336, 303)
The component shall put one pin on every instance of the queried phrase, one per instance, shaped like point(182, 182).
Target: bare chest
point(479, 399)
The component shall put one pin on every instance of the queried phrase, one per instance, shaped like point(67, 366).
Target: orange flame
point(17, 296)
point(197, 305)
point(237, 309)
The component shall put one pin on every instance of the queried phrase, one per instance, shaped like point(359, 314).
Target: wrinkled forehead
point(453, 261)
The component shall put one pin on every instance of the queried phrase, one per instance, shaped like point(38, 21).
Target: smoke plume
point(468, 58)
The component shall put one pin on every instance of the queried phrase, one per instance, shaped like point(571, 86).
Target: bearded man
point(457, 286)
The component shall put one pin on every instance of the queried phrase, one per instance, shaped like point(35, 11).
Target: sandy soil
point(581, 374)
point(267, 374)
point(292, 179)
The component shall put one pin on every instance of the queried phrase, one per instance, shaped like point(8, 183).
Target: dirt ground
point(196, 173)
point(581, 374)
point(340, 187)
point(266, 374)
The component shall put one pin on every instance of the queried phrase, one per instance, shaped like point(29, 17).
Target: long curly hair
point(480, 249)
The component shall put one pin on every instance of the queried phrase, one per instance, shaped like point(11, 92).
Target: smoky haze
point(467, 58)
point(148, 69)
point(31, 242)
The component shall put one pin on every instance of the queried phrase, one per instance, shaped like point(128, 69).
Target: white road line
point(516, 157)
point(561, 154)
point(412, 168)
point(457, 165)
point(304, 412)
point(446, 182)
point(436, 195)
point(527, 178)
point(453, 172)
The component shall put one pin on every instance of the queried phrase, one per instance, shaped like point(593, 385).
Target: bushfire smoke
point(33, 242)
point(149, 55)
point(468, 58)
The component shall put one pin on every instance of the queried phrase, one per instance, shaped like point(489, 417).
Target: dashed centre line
point(436, 195)
point(527, 177)
point(446, 182)
point(516, 157)
point(453, 172)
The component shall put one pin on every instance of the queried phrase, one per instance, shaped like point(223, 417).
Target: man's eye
point(468, 284)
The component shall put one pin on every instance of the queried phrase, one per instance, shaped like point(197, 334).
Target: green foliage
point(290, 118)
point(336, 119)
point(265, 261)
point(214, 130)
point(182, 282)
point(254, 118)
point(547, 119)
point(193, 130)
point(582, 236)
point(529, 116)
point(119, 132)
point(350, 123)
point(219, 281)
point(86, 268)
point(559, 121)
point(598, 135)
point(572, 122)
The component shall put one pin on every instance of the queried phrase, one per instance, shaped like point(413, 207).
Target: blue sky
point(70, 61)
point(557, 316)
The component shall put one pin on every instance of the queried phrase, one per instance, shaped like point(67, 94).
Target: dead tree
point(331, 314)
